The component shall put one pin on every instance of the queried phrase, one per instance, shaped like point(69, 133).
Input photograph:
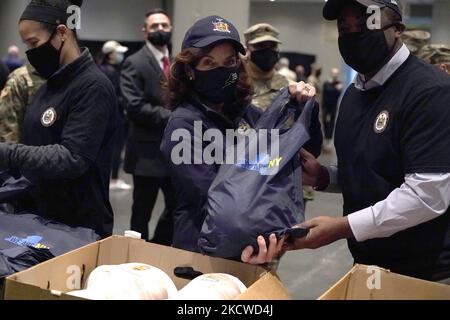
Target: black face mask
point(365, 51)
point(45, 58)
point(265, 59)
point(217, 85)
point(160, 38)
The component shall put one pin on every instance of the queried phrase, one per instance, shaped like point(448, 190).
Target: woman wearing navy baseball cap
point(208, 84)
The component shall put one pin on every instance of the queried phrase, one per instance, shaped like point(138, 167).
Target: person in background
point(262, 42)
point(332, 90)
point(142, 76)
point(69, 128)
point(301, 73)
point(12, 60)
point(4, 72)
point(18, 94)
point(416, 40)
point(113, 57)
point(437, 55)
point(285, 71)
point(314, 79)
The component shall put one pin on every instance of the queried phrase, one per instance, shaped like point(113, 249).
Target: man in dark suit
point(142, 76)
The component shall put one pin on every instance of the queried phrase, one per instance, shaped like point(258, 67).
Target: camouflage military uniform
point(416, 39)
point(267, 85)
point(18, 93)
point(266, 91)
point(435, 54)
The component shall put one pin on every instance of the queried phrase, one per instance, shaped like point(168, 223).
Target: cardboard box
point(51, 280)
point(373, 283)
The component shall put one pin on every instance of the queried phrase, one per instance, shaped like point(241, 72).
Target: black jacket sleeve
point(177, 138)
point(138, 109)
point(314, 145)
point(91, 113)
point(49, 162)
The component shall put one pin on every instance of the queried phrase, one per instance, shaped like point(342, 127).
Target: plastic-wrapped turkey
point(132, 281)
point(216, 286)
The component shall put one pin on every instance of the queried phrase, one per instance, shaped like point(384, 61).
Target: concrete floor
point(306, 274)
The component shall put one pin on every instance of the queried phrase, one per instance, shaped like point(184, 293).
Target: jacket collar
point(70, 71)
point(220, 119)
point(152, 60)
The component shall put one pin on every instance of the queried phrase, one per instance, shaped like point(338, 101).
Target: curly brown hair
point(179, 87)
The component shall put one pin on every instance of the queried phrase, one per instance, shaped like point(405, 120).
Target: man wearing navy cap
point(392, 140)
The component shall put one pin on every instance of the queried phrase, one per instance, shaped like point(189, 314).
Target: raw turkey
point(132, 281)
point(212, 287)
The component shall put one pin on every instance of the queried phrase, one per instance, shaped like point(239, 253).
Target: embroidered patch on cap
point(221, 26)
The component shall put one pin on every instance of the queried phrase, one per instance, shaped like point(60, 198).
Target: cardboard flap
point(64, 273)
point(374, 283)
point(339, 290)
point(269, 287)
point(115, 250)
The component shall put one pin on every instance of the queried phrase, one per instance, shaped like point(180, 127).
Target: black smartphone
point(296, 233)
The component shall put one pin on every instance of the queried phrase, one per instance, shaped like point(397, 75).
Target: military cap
point(435, 53)
point(416, 39)
point(261, 33)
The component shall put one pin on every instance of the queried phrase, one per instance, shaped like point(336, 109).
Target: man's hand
point(314, 174)
point(322, 232)
point(266, 255)
point(302, 92)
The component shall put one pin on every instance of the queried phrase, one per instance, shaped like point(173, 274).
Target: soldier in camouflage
point(262, 41)
point(436, 54)
point(17, 94)
point(416, 39)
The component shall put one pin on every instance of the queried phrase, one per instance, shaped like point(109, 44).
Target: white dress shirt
point(159, 56)
point(422, 198)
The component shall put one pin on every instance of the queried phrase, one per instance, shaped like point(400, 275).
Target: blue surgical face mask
point(218, 85)
point(119, 57)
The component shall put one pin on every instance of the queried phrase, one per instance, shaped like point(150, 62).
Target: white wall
point(100, 20)
point(186, 12)
point(302, 29)
point(441, 22)
point(115, 19)
point(10, 12)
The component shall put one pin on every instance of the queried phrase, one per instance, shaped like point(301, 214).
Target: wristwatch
point(323, 180)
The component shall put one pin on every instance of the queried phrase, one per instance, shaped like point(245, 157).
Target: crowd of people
point(65, 122)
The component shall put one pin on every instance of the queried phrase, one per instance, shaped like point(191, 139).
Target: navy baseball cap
point(333, 7)
point(210, 30)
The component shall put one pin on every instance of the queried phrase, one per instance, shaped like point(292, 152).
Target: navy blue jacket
point(69, 136)
point(192, 182)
